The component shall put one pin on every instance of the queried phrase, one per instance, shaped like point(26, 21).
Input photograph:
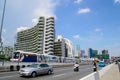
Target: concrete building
point(78, 50)
point(104, 52)
point(38, 39)
point(92, 53)
point(82, 53)
point(63, 47)
point(60, 47)
point(49, 36)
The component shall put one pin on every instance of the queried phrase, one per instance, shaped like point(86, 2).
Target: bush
point(119, 60)
point(2, 57)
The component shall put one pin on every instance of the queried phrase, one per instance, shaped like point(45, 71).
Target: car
point(101, 64)
point(36, 69)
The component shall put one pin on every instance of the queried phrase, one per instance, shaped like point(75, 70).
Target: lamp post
point(1, 43)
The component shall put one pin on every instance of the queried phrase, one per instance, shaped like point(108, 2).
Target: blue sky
point(88, 23)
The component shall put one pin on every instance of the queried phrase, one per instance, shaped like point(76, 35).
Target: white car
point(36, 69)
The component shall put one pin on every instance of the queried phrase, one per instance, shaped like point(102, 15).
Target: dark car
point(36, 69)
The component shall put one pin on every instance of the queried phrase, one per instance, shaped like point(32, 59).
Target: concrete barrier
point(4, 69)
point(18, 67)
point(98, 74)
point(119, 66)
point(92, 76)
point(11, 67)
point(103, 70)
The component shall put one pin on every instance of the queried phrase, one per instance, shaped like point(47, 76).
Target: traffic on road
point(62, 73)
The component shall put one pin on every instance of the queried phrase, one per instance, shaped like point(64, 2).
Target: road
point(63, 73)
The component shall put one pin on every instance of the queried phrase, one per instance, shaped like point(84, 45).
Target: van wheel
point(33, 74)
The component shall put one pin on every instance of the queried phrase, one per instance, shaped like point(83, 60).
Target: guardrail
point(97, 75)
point(103, 70)
point(119, 66)
point(92, 76)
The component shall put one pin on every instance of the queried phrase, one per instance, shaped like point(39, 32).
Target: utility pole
point(1, 43)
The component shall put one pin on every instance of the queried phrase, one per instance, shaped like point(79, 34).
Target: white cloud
point(4, 30)
point(35, 21)
point(98, 30)
point(113, 45)
point(78, 1)
point(40, 8)
point(76, 37)
point(117, 1)
point(84, 10)
point(21, 28)
point(46, 8)
point(87, 38)
point(5, 41)
point(114, 52)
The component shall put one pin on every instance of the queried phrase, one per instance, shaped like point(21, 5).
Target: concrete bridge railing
point(97, 75)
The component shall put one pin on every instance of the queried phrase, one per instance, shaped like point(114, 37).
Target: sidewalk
point(112, 74)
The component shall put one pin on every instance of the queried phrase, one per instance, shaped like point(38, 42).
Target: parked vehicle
point(36, 69)
point(101, 64)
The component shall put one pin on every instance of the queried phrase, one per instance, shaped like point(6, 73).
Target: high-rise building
point(104, 52)
point(82, 53)
point(92, 53)
point(38, 39)
point(49, 36)
point(60, 48)
point(104, 56)
point(78, 50)
point(63, 47)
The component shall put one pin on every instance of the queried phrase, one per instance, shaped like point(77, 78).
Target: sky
point(89, 23)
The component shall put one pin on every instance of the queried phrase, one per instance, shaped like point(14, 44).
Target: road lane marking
point(59, 75)
point(9, 72)
point(6, 77)
point(61, 70)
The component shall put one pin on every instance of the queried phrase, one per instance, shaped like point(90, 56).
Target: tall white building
point(63, 47)
point(49, 36)
point(38, 39)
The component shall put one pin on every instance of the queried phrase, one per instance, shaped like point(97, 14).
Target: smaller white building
point(63, 47)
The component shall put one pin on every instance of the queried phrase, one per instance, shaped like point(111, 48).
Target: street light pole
point(1, 43)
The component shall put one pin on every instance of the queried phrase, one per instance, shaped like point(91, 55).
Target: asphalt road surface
point(63, 73)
